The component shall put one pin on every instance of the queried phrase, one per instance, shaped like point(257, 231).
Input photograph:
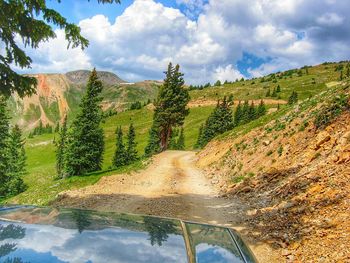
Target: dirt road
point(172, 186)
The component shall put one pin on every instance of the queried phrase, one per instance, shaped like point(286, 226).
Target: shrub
point(330, 111)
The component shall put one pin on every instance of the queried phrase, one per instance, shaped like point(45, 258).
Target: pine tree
point(200, 137)
point(293, 98)
point(218, 122)
point(268, 93)
point(252, 114)
point(173, 139)
point(341, 75)
point(274, 93)
point(57, 128)
point(170, 108)
point(61, 148)
point(261, 111)
point(217, 83)
point(4, 153)
point(180, 145)
point(278, 90)
point(17, 163)
point(238, 114)
point(131, 147)
point(245, 112)
point(85, 143)
point(153, 145)
point(120, 155)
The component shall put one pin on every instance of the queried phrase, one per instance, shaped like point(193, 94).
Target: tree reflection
point(159, 230)
point(10, 232)
point(82, 219)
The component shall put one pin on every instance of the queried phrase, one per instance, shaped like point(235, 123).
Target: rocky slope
point(294, 175)
point(58, 94)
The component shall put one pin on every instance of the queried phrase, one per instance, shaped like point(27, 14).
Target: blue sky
point(210, 39)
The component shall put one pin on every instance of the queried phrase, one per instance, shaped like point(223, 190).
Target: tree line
point(223, 119)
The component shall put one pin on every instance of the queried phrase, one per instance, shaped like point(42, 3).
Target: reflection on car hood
point(37, 234)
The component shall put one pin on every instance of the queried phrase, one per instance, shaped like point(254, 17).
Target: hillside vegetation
point(292, 170)
point(41, 150)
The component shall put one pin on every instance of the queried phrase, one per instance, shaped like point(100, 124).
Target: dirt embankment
point(296, 180)
point(172, 186)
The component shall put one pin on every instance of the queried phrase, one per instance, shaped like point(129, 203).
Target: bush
point(329, 112)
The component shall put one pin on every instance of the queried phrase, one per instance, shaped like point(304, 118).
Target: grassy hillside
point(41, 151)
point(306, 84)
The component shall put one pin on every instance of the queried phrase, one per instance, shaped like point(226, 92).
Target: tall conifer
point(85, 144)
point(17, 163)
point(170, 109)
point(4, 153)
point(131, 146)
point(61, 148)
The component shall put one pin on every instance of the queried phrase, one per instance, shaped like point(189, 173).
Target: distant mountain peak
point(80, 77)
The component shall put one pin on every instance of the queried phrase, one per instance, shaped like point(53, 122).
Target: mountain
point(58, 94)
point(80, 77)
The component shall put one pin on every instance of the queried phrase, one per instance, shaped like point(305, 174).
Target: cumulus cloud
point(148, 35)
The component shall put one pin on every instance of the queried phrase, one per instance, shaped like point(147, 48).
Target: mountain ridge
point(58, 94)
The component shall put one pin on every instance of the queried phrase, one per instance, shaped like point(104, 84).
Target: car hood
point(41, 234)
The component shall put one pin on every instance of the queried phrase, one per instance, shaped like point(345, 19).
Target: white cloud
point(330, 19)
point(147, 36)
point(226, 73)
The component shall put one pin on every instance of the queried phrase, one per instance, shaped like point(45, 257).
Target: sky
point(210, 39)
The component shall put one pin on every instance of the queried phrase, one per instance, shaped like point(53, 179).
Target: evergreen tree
point(261, 111)
point(180, 145)
point(218, 122)
point(274, 93)
point(293, 98)
point(4, 153)
point(173, 139)
point(200, 137)
point(85, 143)
point(341, 75)
point(268, 93)
point(29, 22)
point(120, 156)
point(217, 83)
point(153, 145)
point(245, 112)
point(238, 114)
point(170, 108)
point(61, 148)
point(131, 148)
point(252, 114)
point(278, 90)
point(57, 128)
point(17, 163)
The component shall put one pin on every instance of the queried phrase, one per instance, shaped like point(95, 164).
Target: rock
point(286, 252)
point(266, 143)
point(231, 186)
point(345, 139)
point(214, 181)
point(321, 138)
